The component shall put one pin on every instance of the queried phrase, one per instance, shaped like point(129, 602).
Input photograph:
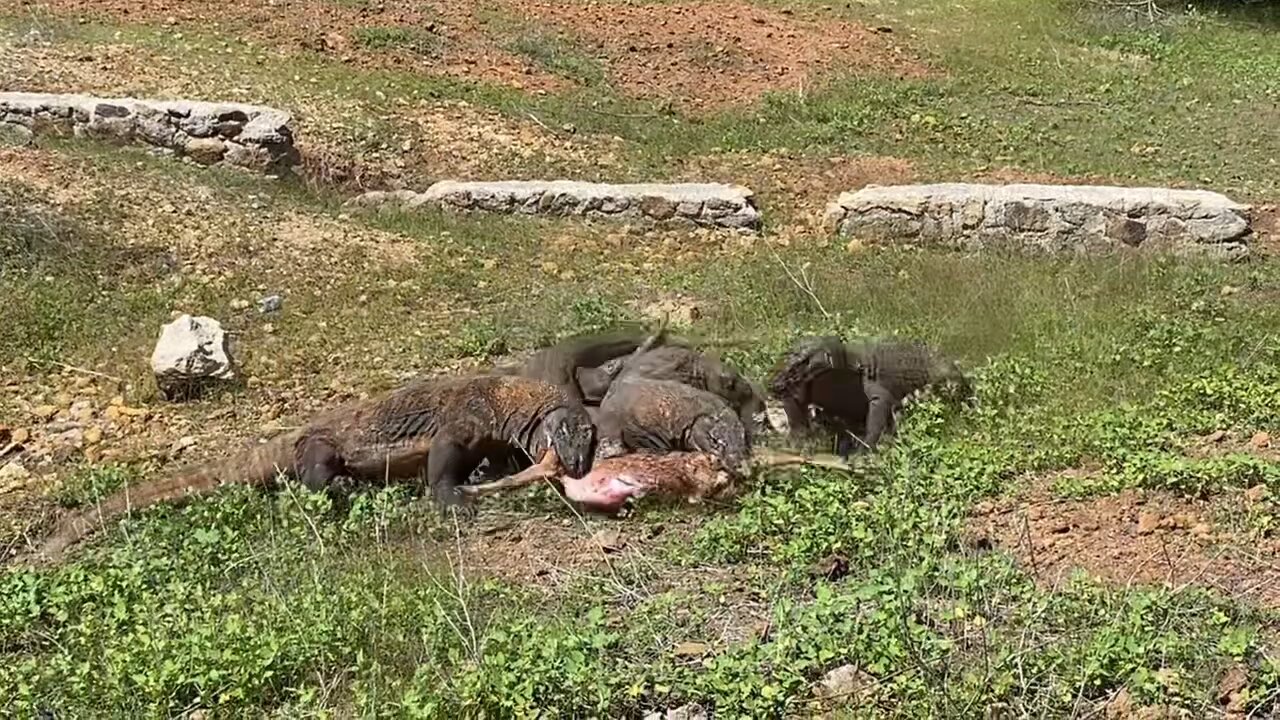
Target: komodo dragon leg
point(448, 466)
point(880, 407)
point(318, 463)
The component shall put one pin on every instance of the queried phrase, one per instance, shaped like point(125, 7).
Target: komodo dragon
point(642, 414)
point(557, 364)
point(440, 428)
point(859, 386)
point(682, 364)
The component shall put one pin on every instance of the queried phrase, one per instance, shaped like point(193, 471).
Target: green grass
point(276, 604)
point(557, 55)
point(418, 42)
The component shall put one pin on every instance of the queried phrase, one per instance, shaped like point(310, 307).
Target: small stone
point(1217, 436)
point(1147, 523)
point(15, 135)
point(1257, 493)
point(690, 649)
point(270, 304)
point(833, 567)
point(611, 541)
point(205, 151)
point(239, 304)
point(19, 436)
point(12, 475)
point(1261, 440)
point(93, 436)
point(45, 412)
point(1233, 689)
point(1202, 530)
point(181, 444)
point(842, 683)
point(692, 711)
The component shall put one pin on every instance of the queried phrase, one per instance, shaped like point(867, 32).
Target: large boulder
point(1050, 219)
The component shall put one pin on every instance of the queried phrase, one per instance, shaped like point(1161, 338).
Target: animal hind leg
point(318, 463)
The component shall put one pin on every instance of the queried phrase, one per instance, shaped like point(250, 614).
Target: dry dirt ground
point(1226, 542)
point(703, 54)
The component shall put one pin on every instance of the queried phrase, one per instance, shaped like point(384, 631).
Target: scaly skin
point(642, 414)
point(816, 373)
point(680, 364)
point(856, 389)
point(440, 428)
point(558, 363)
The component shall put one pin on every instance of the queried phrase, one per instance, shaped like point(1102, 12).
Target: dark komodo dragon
point(682, 364)
point(438, 428)
point(856, 388)
point(643, 414)
point(558, 364)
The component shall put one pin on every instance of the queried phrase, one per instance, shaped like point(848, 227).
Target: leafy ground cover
point(1097, 537)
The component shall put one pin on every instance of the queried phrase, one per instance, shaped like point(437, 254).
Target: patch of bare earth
point(445, 38)
point(701, 54)
point(706, 55)
point(618, 558)
point(796, 188)
point(460, 140)
point(1134, 537)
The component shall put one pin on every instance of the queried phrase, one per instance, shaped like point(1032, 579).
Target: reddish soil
point(1133, 537)
point(797, 187)
point(699, 54)
point(458, 46)
point(722, 52)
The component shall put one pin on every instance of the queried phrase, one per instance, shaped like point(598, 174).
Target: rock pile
point(707, 204)
point(249, 136)
point(1045, 218)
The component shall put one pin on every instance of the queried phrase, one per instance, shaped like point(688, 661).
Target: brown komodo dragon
point(857, 388)
point(682, 364)
point(437, 428)
point(642, 414)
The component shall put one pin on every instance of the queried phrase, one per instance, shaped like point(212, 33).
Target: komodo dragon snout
point(570, 432)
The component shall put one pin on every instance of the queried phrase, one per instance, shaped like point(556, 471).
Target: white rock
point(692, 711)
point(712, 204)
point(842, 683)
point(263, 137)
point(191, 349)
point(1045, 218)
point(12, 476)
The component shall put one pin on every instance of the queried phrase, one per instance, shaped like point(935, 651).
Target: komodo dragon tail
point(257, 466)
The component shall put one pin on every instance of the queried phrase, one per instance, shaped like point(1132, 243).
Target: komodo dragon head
point(808, 359)
point(568, 430)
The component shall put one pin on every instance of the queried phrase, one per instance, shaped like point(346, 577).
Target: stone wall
point(728, 206)
point(249, 136)
point(1046, 219)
